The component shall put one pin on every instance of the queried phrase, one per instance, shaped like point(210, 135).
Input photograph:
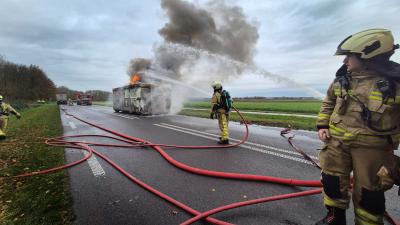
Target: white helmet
point(367, 43)
point(216, 84)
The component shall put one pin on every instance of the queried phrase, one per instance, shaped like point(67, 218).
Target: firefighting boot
point(223, 142)
point(335, 216)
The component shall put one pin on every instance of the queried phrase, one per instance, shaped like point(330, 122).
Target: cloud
point(88, 44)
point(73, 39)
point(298, 38)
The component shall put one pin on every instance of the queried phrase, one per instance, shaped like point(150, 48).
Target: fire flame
point(134, 79)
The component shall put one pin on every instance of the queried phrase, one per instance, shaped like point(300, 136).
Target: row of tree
point(100, 95)
point(24, 82)
point(30, 83)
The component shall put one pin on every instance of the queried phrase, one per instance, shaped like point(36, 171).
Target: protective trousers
point(223, 120)
point(338, 159)
point(3, 125)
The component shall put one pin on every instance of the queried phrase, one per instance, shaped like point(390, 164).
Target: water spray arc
point(194, 53)
point(153, 74)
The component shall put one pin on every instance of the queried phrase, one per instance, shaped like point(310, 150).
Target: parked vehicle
point(61, 99)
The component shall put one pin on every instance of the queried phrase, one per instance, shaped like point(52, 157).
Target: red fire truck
point(84, 99)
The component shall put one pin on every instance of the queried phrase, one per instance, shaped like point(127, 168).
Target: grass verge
point(42, 199)
point(270, 120)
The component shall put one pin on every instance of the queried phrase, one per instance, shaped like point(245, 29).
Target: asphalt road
point(103, 196)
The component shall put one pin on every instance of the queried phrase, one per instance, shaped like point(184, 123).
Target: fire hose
point(136, 142)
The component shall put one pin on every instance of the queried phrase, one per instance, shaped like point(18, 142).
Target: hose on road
point(137, 142)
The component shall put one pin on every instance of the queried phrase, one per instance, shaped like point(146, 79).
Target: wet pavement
point(103, 196)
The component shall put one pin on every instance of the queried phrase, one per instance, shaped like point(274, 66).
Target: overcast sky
point(88, 44)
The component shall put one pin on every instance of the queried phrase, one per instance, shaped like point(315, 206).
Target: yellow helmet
point(367, 43)
point(1, 97)
point(216, 84)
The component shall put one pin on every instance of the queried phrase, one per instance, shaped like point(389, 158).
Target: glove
point(212, 115)
point(18, 116)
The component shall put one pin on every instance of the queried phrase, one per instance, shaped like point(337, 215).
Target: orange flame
point(134, 79)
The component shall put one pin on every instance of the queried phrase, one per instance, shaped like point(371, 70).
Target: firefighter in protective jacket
point(220, 112)
point(359, 122)
point(5, 110)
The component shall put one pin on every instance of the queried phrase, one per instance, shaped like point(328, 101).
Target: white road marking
point(245, 146)
point(93, 163)
point(72, 125)
point(95, 166)
point(247, 142)
point(126, 116)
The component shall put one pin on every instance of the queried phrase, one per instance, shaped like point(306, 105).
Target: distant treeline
point(21, 82)
point(97, 94)
point(30, 83)
point(100, 95)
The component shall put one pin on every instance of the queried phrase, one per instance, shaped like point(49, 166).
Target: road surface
point(103, 196)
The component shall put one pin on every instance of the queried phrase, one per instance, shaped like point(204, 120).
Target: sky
point(87, 45)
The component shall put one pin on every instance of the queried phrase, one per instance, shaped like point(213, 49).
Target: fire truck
point(84, 99)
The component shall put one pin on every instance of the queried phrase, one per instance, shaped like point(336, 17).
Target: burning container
point(142, 98)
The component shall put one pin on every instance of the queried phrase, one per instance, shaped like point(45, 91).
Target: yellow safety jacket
point(6, 109)
point(344, 111)
point(216, 102)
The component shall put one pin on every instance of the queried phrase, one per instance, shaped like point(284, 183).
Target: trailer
point(142, 99)
point(61, 99)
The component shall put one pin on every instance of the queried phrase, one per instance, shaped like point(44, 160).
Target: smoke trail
point(231, 65)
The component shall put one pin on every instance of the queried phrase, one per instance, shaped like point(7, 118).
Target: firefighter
point(218, 110)
point(359, 121)
point(5, 110)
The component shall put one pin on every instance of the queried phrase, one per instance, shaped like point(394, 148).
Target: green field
point(270, 120)
point(42, 199)
point(289, 106)
point(108, 103)
point(310, 107)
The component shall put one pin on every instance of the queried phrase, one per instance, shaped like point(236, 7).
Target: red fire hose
point(251, 202)
point(136, 142)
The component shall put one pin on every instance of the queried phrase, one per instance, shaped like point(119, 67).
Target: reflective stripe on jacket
point(6, 109)
point(342, 113)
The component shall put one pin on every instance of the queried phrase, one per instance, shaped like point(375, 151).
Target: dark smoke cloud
point(138, 65)
point(200, 42)
point(217, 28)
